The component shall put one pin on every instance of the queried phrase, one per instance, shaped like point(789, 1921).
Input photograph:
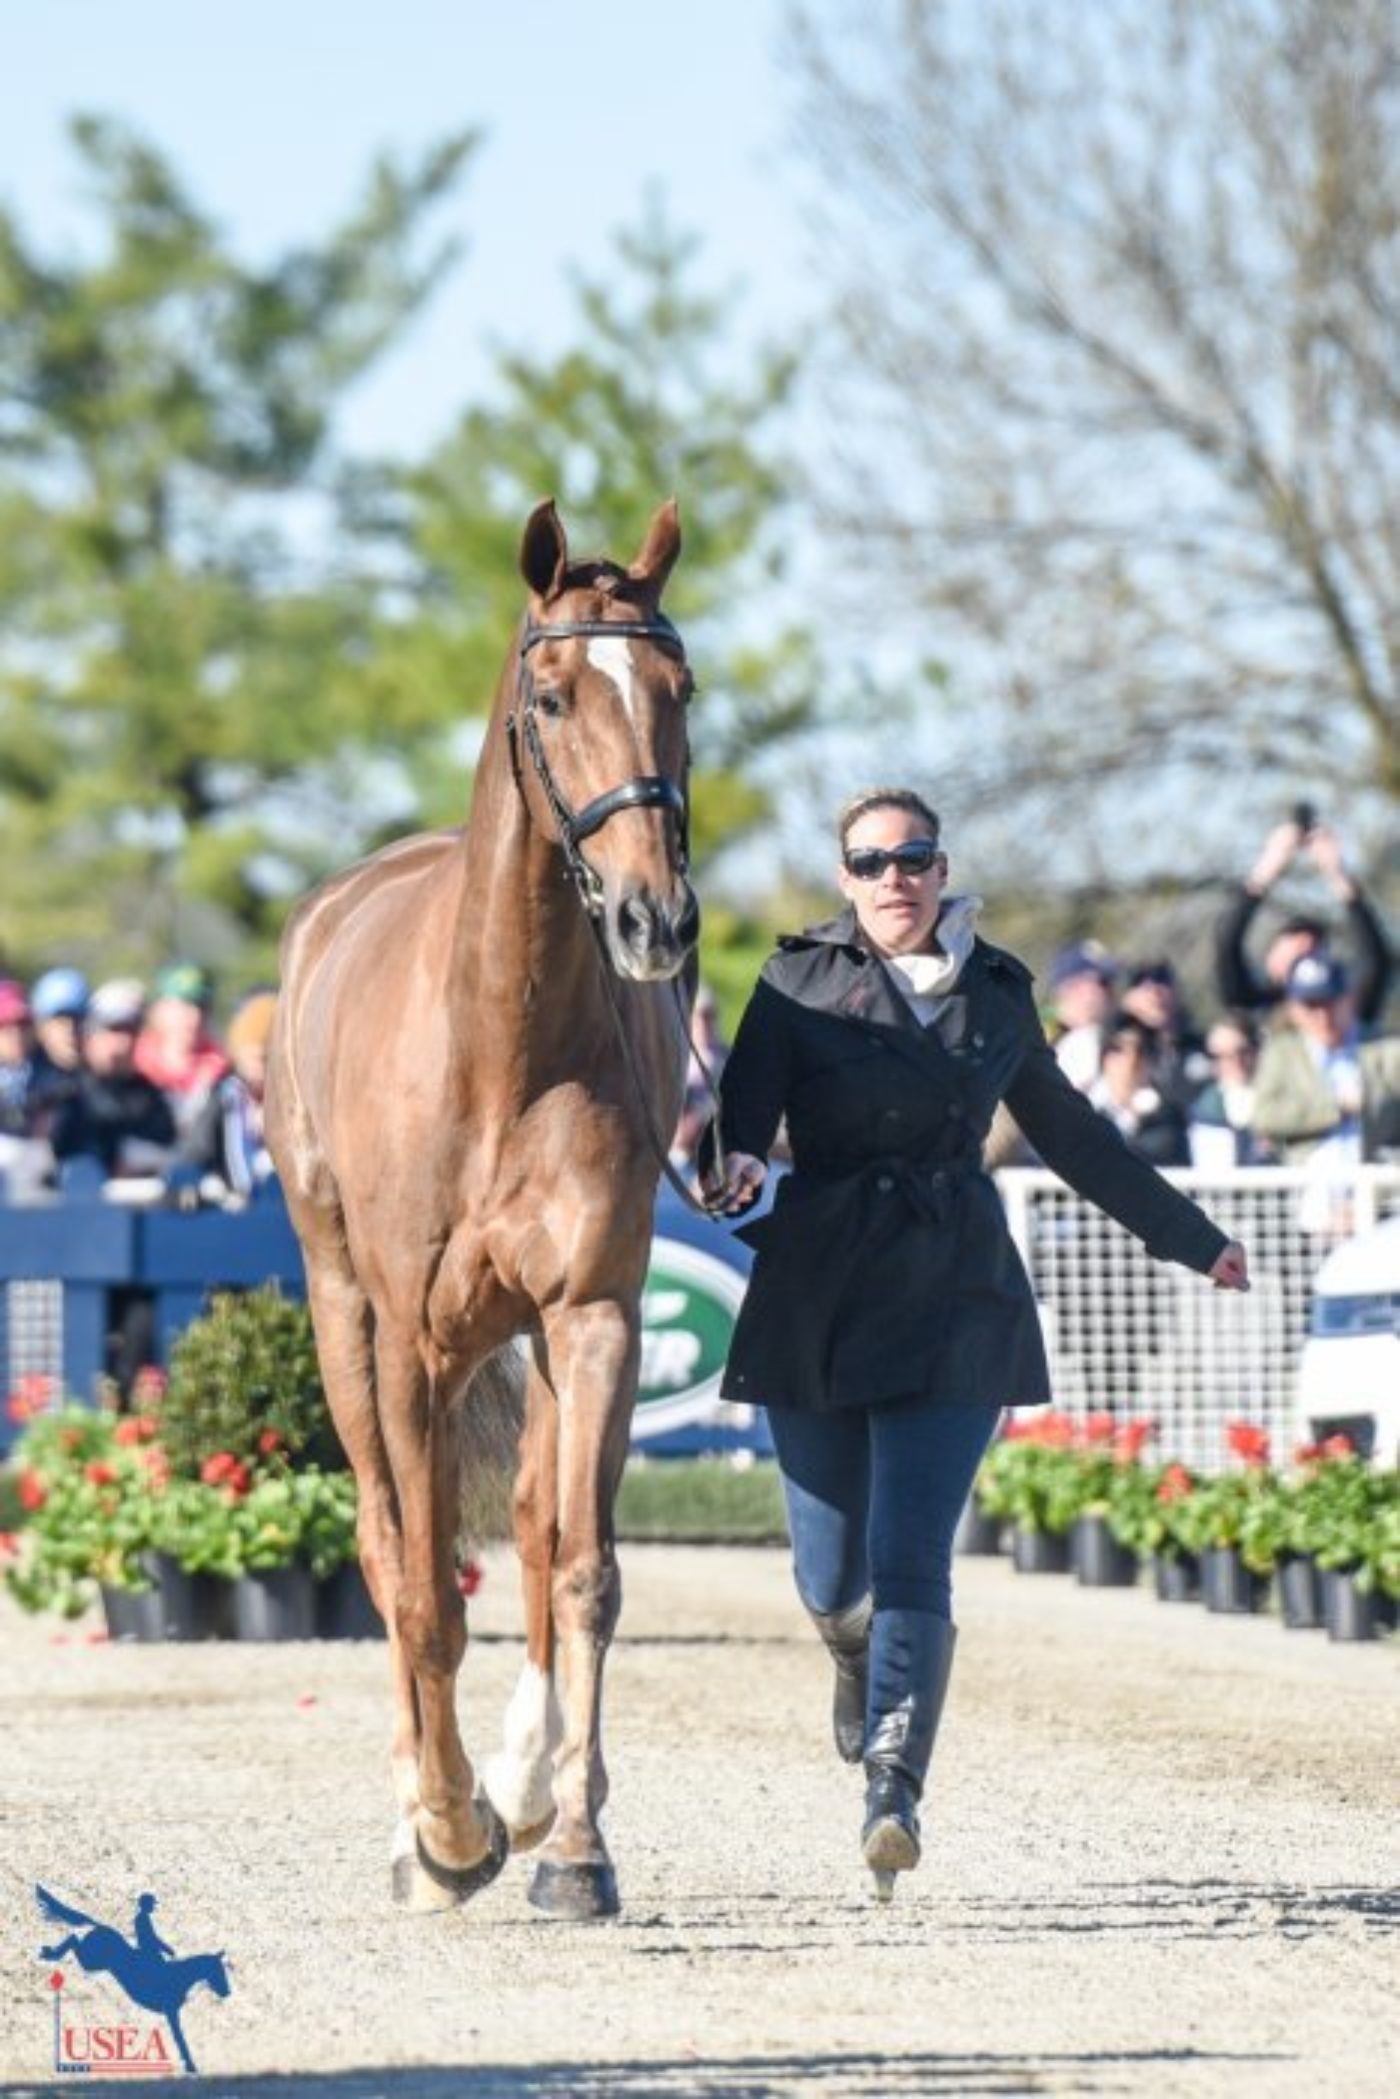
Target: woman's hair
point(885, 798)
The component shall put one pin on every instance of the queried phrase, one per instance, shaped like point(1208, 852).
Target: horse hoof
point(575, 1893)
point(531, 1837)
point(460, 1883)
point(415, 1892)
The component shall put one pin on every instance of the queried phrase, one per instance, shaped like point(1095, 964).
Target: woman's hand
point(743, 1177)
point(1231, 1270)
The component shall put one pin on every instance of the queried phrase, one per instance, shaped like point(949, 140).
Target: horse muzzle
point(649, 939)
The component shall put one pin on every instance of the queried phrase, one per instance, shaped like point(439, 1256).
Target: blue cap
point(1316, 980)
point(59, 991)
point(1087, 958)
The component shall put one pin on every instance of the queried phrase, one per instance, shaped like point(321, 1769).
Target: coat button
point(978, 1041)
point(884, 1183)
point(953, 1112)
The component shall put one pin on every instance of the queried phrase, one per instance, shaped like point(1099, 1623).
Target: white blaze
point(612, 655)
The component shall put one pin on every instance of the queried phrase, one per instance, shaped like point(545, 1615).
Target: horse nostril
point(636, 923)
point(688, 924)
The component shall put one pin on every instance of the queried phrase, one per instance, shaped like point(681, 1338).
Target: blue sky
point(271, 113)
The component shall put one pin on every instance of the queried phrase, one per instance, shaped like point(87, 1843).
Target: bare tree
point(1118, 367)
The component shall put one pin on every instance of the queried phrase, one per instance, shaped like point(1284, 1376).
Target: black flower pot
point(193, 1606)
point(1299, 1587)
point(1176, 1577)
point(1101, 1561)
point(978, 1535)
point(1350, 1613)
point(133, 1614)
point(344, 1607)
point(1039, 1552)
point(279, 1603)
point(1227, 1585)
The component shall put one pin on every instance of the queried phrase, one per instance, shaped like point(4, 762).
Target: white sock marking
point(519, 1780)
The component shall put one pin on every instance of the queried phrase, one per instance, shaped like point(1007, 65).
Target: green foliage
point(1348, 1517)
point(245, 1381)
point(176, 667)
point(87, 1495)
point(704, 1500)
point(1034, 1485)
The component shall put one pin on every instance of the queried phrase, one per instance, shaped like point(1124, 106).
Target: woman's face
point(898, 910)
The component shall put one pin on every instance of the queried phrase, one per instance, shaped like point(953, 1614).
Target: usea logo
point(689, 1306)
point(148, 1972)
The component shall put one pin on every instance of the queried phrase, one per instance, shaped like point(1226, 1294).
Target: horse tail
point(492, 1418)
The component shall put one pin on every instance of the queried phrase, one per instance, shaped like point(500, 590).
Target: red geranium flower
point(135, 1428)
point(149, 1385)
point(1248, 1441)
point(32, 1395)
point(1130, 1440)
point(1099, 1428)
point(269, 1441)
point(1337, 1446)
point(101, 1475)
point(214, 1471)
point(237, 1481)
point(32, 1491)
point(1175, 1482)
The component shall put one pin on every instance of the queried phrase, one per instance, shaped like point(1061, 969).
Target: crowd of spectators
point(137, 1089)
point(132, 1089)
point(1294, 1069)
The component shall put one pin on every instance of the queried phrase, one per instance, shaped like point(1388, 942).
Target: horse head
point(601, 701)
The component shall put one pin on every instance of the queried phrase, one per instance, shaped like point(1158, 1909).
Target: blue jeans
point(874, 1495)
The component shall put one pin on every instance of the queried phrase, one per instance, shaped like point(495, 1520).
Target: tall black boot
point(847, 1637)
point(911, 1660)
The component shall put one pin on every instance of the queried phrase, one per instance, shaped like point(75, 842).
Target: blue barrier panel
point(93, 1248)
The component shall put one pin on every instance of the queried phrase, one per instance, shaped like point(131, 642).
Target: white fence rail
point(1140, 1337)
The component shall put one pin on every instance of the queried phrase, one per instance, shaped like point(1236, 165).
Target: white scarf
point(923, 978)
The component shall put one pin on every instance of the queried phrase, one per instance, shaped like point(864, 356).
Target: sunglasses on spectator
point(915, 857)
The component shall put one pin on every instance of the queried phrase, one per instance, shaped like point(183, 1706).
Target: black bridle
point(645, 791)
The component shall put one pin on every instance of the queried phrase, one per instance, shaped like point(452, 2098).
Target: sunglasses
point(915, 857)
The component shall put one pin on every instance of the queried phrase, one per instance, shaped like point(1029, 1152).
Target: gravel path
point(1162, 1856)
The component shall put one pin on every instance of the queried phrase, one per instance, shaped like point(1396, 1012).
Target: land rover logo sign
point(689, 1307)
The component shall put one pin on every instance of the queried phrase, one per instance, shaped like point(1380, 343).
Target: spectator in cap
point(1179, 1066)
point(58, 1000)
point(175, 1050)
point(1323, 1096)
point(1242, 986)
point(225, 1147)
point(1082, 977)
point(115, 1116)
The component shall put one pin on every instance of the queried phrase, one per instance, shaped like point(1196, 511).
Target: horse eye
point(550, 703)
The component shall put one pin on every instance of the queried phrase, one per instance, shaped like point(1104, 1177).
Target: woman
point(888, 1318)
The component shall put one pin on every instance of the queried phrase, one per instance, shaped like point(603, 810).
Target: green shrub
point(244, 1379)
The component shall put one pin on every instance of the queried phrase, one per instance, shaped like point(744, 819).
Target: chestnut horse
point(464, 1100)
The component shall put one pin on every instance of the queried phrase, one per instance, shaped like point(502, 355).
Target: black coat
point(885, 1269)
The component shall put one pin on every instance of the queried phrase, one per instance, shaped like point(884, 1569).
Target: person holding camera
point(1240, 985)
point(888, 1319)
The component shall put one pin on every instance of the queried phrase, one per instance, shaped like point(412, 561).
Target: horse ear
point(657, 555)
point(544, 551)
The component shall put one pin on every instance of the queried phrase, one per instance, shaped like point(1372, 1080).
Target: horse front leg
point(460, 1841)
point(593, 1357)
point(519, 1779)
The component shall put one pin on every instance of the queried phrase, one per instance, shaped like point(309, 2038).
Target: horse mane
point(605, 578)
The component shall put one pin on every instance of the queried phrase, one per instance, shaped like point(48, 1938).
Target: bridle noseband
point(646, 791)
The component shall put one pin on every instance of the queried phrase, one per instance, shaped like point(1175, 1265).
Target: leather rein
point(645, 791)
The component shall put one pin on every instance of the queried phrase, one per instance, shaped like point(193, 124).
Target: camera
point(1305, 817)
